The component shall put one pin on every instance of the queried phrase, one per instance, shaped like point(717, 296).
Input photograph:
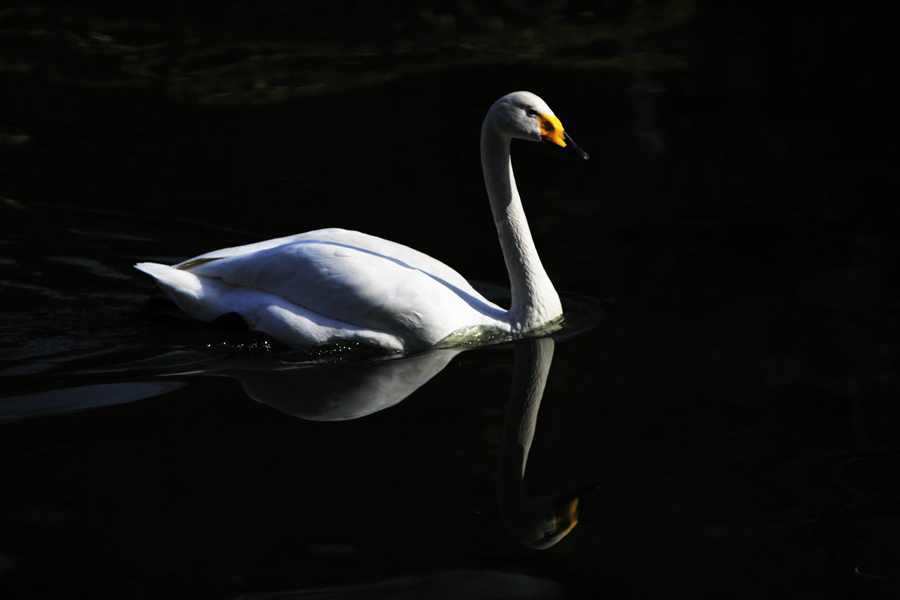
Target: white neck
point(534, 300)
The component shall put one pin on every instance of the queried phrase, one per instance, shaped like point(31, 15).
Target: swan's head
point(525, 116)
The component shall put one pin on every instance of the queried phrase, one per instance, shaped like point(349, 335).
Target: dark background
point(737, 409)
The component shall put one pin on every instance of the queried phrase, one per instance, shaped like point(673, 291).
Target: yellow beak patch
point(551, 129)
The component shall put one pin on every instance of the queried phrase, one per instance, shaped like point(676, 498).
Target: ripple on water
point(94, 266)
point(70, 400)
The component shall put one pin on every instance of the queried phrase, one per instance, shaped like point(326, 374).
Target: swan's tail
point(200, 297)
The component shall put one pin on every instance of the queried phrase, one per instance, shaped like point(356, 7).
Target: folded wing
point(356, 279)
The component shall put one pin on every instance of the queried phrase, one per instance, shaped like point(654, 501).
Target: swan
point(334, 285)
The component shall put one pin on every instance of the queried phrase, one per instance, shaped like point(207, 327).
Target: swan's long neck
point(534, 300)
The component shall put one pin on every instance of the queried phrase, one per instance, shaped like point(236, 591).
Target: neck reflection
point(534, 521)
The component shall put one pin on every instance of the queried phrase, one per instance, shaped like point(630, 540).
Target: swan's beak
point(552, 131)
point(572, 148)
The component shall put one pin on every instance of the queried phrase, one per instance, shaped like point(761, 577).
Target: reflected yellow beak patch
point(567, 518)
point(551, 129)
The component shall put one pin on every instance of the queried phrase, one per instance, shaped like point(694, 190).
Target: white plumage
point(335, 285)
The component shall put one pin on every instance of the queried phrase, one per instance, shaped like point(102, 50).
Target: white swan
point(333, 285)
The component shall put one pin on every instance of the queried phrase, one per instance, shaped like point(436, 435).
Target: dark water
point(721, 407)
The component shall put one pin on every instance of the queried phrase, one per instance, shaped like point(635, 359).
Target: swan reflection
point(339, 391)
point(534, 521)
point(343, 391)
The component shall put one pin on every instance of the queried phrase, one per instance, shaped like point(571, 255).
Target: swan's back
point(340, 237)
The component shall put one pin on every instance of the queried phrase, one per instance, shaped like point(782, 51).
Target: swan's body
point(330, 285)
point(334, 285)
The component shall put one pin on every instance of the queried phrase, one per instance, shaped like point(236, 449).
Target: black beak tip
point(572, 148)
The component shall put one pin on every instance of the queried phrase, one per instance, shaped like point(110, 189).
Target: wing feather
point(357, 279)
